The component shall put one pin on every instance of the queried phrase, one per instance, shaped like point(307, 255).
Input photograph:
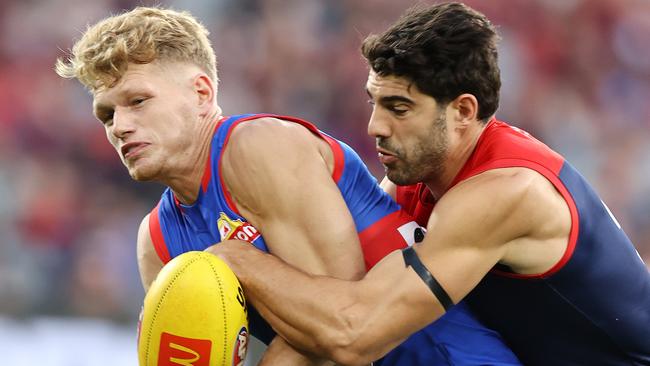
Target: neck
point(187, 183)
point(460, 151)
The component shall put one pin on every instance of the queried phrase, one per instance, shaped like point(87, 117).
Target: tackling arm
point(470, 230)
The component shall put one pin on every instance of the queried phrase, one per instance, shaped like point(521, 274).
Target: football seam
point(155, 313)
point(223, 307)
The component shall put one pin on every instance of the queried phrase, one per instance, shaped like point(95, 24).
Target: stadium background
point(576, 74)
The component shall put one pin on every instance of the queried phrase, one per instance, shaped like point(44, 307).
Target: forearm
point(304, 309)
point(345, 321)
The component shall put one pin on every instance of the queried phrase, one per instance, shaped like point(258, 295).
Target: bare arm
point(148, 262)
point(298, 208)
point(472, 228)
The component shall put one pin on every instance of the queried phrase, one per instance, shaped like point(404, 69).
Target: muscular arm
point(279, 175)
point(472, 228)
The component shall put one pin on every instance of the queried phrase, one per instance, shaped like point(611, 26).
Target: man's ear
point(205, 91)
point(465, 108)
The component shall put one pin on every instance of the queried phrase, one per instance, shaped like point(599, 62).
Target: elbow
point(349, 356)
point(344, 343)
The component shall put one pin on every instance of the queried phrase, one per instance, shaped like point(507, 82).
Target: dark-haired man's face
point(410, 129)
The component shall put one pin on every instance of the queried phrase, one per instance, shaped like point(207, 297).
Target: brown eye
point(397, 111)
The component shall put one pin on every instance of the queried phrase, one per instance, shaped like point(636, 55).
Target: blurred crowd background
point(576, 74)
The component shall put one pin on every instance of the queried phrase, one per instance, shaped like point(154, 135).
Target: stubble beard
point(425, 159)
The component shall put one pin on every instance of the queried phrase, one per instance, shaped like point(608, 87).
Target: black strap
point(411, 259)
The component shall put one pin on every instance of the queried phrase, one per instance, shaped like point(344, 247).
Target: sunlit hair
point(445, 50)
point(143, 35)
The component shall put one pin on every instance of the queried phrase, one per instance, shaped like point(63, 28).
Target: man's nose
point(123, 124)
point(377, 125)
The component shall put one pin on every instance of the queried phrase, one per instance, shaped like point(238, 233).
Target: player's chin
point(400, 177)
point(141, 172)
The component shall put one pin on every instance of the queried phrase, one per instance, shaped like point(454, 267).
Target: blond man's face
point(149, 117)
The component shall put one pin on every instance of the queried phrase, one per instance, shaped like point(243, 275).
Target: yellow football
point(194, 314)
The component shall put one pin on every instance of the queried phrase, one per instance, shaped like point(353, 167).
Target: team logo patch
point(176, 350)
point(241, 346)
point(236, 229)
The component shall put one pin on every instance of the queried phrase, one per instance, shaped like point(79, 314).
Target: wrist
point(232, 252)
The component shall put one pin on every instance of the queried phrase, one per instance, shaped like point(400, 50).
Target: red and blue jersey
point(176, 228)
point(593, 306)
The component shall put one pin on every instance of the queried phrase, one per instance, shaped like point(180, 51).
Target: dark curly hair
point(445, 50)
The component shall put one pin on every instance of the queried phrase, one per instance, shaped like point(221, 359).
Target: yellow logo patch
point(236, 229)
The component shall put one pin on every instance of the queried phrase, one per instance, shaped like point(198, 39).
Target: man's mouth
point(385, 156)
point(131, 149)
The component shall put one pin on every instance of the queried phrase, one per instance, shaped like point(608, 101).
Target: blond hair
point(143, 35)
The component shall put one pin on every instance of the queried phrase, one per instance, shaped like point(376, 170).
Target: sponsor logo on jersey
point(236, 229)
point(241, 346)
point(176, 350)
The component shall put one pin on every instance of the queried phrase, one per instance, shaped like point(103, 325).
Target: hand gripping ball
point(194, 315)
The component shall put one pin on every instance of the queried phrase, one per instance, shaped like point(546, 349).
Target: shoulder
point(512, 200)
point(269, 140)
point(509, 185)
point(271, 150)
point(268, 131)
point(513, 189)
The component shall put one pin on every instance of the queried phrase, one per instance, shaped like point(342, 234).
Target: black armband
point(411, 259)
